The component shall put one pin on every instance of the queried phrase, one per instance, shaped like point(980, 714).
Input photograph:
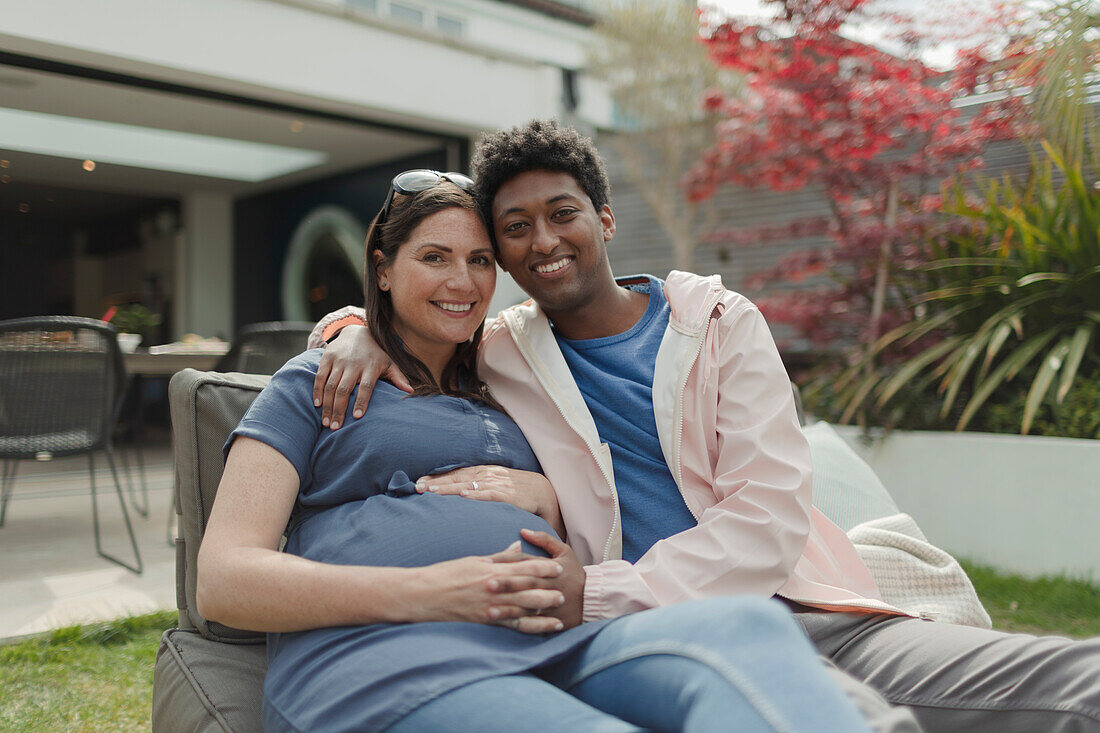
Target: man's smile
point(553, 266)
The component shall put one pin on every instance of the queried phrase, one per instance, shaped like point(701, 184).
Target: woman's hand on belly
point(507, 589)
point(527, 490)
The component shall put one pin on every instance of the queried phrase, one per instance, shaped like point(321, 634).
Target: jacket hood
point(692, 298)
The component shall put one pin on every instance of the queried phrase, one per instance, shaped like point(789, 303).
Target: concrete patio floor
point(50, 573)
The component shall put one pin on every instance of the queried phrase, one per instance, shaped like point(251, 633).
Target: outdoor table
point(161, 363)
point(145, 364)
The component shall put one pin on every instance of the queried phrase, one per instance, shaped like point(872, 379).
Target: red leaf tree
point(870, 129)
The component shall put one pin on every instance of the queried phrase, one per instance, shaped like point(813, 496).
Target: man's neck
point(615, 311)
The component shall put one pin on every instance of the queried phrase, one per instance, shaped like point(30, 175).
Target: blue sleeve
point(283, 415)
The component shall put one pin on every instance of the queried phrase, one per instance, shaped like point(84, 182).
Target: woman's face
point(440, 281)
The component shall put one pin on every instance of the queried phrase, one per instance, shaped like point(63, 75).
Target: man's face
point(552, 240)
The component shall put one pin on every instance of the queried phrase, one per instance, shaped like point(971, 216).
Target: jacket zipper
point(868, 603)
point(681, 390)
point(615, 514)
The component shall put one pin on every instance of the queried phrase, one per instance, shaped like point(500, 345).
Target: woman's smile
point(458, 309)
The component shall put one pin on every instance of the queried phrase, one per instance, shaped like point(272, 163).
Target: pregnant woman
point(395, 610)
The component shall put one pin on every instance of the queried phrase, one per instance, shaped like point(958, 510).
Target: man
point(663, 417)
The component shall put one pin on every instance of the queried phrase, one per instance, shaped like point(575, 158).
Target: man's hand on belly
point(570, 582)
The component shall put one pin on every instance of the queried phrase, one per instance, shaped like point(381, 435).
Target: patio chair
point(261, 348)
point(62, 381)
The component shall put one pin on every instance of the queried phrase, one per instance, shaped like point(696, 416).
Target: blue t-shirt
point(615, 376)
point(357, 505)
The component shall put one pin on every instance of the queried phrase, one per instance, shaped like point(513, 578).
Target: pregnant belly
point(411, 531)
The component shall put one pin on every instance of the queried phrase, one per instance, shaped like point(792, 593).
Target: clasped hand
point(530, 594)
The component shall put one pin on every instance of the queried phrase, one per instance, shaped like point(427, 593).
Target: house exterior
point(220, 160)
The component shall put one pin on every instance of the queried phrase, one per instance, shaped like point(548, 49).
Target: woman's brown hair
point(459, 378)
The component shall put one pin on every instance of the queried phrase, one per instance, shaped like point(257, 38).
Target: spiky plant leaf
point(1048, 370)
point(1037, 277)
point(996, 341)
point(955, 377)
point(1079, 342)
point(914, 367)
point(1004, 373)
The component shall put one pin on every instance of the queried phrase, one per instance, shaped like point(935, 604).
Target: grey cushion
point(208, 677)
point(846, 489)
point(207, 686)
point(206, 407)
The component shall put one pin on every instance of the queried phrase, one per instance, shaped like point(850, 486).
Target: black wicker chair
point(62, 381)
point(261, 348)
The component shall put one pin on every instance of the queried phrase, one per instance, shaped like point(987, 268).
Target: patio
point(51, 576)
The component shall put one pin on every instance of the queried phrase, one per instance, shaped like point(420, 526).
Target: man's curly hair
point(538, 145)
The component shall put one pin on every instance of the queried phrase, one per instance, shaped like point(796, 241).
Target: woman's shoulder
point(306, 362)
point(297, 374)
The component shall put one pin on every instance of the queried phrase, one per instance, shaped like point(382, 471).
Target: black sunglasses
point(420, 179)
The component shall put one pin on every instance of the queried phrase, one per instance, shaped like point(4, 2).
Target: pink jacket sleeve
point(317, 335)
point(750, 487)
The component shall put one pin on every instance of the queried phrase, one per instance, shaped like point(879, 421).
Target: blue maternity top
point(357, 505)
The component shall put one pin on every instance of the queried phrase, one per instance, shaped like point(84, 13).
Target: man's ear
point(607, 220)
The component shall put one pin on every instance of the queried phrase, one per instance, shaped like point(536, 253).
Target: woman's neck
point(434, 356)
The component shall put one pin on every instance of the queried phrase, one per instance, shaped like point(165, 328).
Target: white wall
point(1030, 505)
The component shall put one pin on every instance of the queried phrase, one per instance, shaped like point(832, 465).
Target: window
point(450, 26)
point(409, 14)
point(364, 6)
point(406, 14)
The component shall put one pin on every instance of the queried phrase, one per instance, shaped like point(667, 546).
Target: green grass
point(100, 678)
point(1048, 605)
point(82, 679)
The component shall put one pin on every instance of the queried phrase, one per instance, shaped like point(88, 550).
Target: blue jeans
point(721, 664)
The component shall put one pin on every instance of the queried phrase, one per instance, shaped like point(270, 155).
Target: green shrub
point(1011, 286)
point(1077, 417)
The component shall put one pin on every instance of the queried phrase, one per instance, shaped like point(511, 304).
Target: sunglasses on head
point(420, 179)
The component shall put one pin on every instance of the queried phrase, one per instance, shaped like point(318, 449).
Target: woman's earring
point(384, 285)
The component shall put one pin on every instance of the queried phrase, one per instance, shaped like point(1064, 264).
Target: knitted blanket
point(915, 575)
